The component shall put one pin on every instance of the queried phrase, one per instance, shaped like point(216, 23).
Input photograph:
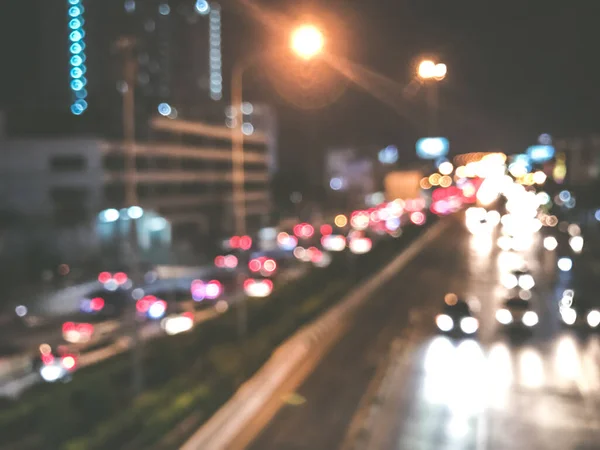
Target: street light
point(430, 72)
point(307, 41)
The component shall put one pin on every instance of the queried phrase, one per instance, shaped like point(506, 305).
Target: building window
point(68, 163)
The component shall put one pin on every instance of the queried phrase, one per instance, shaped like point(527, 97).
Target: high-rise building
point(177, 51)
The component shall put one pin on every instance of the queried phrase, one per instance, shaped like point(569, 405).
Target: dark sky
point(515, 69)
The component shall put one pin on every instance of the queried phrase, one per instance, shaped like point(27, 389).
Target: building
point(176, 47)
point(184, 175)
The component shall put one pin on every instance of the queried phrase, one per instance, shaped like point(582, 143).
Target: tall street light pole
point(430, 73)
point(126, 46)
point(306, 42)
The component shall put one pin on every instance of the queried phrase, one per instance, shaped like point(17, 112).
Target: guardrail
point(233, 426)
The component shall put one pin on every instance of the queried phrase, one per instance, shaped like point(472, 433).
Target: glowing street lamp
point(307, 41)
point(428, 70)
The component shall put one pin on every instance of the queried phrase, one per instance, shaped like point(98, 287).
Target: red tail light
point(120, 278)
point(245, 242)
point(96, 304)
point(104, 277)
point(220, 261)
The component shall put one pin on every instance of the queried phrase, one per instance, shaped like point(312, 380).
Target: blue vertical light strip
point(215, 62)
point(77, 67)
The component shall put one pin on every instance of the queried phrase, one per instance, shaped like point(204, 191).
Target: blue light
point(202, 7)
point(540, 153)
point(388, 155)
point(432, 147)
point(336, 183)
point(75, 24)
point(76, 36)
point(545, 139)
point(523, 160)
point(77, 59)
point(76, 109)
point(75, 11)
point(565, 196)
point(76, 72)
point(76, 48)
point(130, 6)
point(82, 103)
point(164, 9)
point(164, 109)
point(76, 85)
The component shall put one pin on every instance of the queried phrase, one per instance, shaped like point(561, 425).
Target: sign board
point(432, 147)
point(540, 153)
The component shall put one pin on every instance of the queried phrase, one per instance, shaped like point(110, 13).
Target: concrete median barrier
point(258, 399)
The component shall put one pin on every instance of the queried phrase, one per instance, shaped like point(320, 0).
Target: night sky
point(515, 69)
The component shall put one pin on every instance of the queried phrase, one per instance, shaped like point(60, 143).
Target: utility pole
point(126, 46)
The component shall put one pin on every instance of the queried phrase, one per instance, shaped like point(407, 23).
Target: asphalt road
point(540, 391)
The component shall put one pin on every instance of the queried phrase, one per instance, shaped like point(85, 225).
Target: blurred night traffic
point(267, 225)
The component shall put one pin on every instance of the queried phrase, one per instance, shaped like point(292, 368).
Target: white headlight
point(569, 315)
point(576, 243)
point(469, 325)
point(509, 281)
point(52, 372)
point(504, 316)
point(550, 243)
point(530, 319)
point(444, 322)
point(593, 318)
point(177, 324)
point(526, 282)
point(565, 264)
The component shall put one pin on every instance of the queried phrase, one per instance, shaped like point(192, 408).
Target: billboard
point(432, 147)
point(540, 153)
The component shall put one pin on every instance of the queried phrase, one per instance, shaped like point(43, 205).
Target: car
point(456, 317)
point(85, 328)
point(518, 279)
point(54, 364)
point(581, 311)
point(517, 312)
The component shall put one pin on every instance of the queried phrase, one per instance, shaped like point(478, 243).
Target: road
point(537, 392)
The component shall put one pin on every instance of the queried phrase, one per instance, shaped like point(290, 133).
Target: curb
point(234, 425)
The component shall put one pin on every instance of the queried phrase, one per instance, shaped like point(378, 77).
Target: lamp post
point(129, 243)
point(430, 72)
point(306, 42)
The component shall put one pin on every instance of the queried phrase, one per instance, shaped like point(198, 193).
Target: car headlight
point(52, 372)
point(509, 281)
point(469, 325)
point(526, 282)
point(593, 318)
point(569, 315)
point(444, 322)
point(504, 316)
point(530, 319)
